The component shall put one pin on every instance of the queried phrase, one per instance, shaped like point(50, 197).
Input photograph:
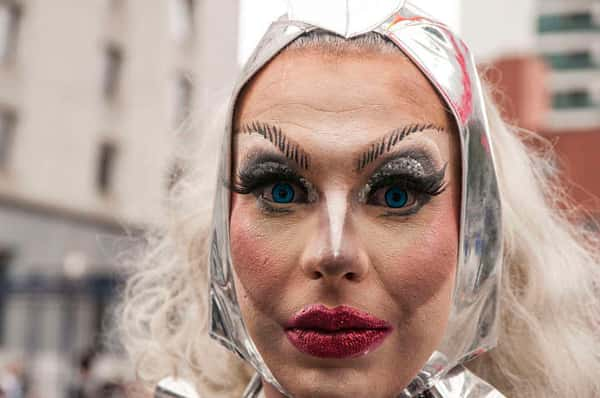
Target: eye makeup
point(412, 172)
point(264, 169)
point(275, 136)
point(410, 179)
point(387, 142)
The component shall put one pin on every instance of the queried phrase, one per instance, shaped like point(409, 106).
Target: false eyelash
point(431, 185)
point(252, 178)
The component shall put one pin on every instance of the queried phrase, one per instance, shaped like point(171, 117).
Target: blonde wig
point(549, 344)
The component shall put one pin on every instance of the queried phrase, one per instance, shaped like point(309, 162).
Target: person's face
point(344, 220)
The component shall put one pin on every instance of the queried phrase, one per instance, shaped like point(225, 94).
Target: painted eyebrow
point(385, 144)
point(290, 149)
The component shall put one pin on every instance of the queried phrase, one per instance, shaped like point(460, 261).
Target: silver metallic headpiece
point(446, 61)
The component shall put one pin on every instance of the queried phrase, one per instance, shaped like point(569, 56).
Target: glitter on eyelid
point(272, 172)
point(409, 165)
point(313, 195)
point(363, 194)
point(405, 165)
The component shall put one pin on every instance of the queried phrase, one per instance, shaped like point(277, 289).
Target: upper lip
point(319, 317)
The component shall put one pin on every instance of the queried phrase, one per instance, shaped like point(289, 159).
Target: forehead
point(311, 87)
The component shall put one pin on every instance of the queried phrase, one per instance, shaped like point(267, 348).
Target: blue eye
point(396, 197)
point(282, 192)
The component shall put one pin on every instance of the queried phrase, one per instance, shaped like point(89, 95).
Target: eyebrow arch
point(385, 144)
point(292, 150)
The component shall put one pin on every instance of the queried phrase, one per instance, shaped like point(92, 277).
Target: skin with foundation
point(344, 220)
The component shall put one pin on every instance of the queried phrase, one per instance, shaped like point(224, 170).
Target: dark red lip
point(340, 332)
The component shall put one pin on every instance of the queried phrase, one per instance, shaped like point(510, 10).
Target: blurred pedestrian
point(82, 384)
point(11, 380)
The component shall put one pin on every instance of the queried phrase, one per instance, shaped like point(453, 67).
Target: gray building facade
point(95, 99)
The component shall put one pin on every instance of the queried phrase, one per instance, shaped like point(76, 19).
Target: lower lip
point(338, 344)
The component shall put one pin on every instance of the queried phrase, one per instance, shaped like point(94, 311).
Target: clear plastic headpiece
point(447, 62)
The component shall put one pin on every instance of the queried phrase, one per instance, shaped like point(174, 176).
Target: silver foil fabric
point(447, 62)
point(458, 383)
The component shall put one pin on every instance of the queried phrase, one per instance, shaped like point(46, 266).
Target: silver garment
point(171, 387)
point(447, 62)
point(458, 383)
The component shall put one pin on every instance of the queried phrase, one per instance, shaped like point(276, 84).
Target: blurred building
point(569, 42)
point(498, 28)
point(554, 88)
point(94, 96)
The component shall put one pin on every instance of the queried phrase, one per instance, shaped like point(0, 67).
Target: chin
point(343, 382)
point(335, 384)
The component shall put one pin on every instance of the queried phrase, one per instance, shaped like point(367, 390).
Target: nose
point(334, 252)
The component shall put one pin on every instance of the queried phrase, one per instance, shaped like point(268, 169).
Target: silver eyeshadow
point(413, 164)
point(412, 167)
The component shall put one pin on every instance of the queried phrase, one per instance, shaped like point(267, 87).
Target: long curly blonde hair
point(549, 343)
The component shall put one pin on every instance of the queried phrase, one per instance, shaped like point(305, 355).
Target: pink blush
point(255, 258)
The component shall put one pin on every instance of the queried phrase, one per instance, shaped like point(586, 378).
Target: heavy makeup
point(344, 220)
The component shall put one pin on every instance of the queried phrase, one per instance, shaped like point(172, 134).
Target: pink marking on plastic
point(466, 106)
point(400, 18)
point(485, 143)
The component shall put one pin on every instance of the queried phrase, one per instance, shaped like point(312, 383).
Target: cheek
point(258, 262)
point(419, 267)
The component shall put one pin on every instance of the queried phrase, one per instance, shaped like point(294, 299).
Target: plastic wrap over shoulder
point(448, 64)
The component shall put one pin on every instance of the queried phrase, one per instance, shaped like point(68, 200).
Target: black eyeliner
point(431, 184)
point(266, 168)
point(262, 170)
point(411, 170)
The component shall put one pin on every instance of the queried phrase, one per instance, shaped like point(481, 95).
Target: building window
point(574, 60)
point(113, 65)
point(566, 22)
point(8, 121)
point(182, 19)
point(6, 257)
point(183, 99)
point(10, 16)
point(106, 167)
point(572, 99)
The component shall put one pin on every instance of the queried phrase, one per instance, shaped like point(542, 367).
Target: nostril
point(350, 276)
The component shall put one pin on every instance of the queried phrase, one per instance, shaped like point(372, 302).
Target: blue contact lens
point(282, 192)
point(396, 197)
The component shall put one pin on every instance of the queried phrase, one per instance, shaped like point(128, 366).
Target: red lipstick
point(340, 332)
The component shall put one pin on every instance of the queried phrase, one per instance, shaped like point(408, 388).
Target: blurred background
point(95, 97)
